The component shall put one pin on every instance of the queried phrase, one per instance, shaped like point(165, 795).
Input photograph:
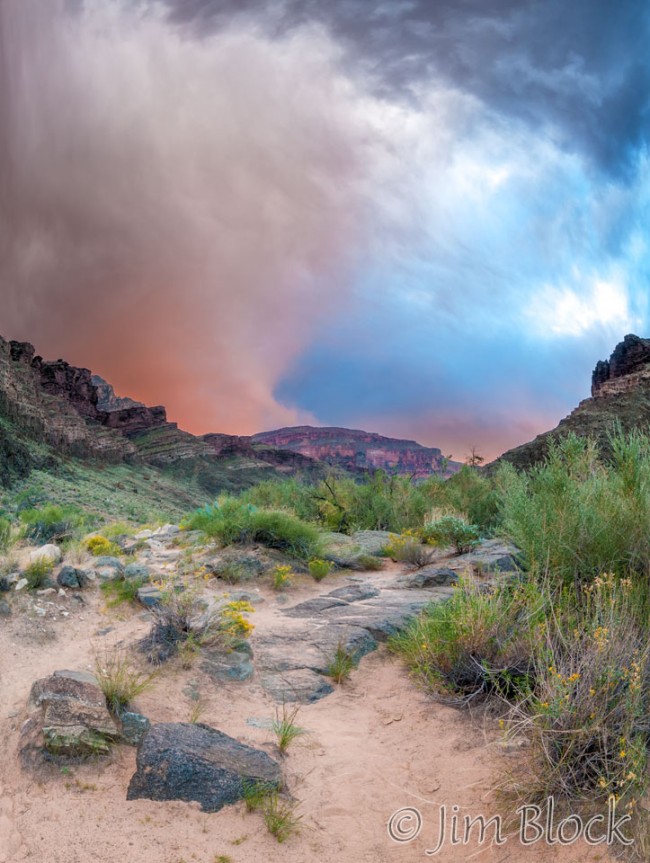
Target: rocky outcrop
point(106, 398)
point(193, 762)
point(359, 451)
point(620, 389)
point(627, 367)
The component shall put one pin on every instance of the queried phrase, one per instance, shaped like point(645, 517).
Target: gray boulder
point(137, 571)
point(429, 576)
point(134, 727)
point(183, 761)
point(109, 568)
point(73, 578)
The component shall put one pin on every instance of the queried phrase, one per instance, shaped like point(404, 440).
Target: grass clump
point(38, 573)
point(255, 793)
point(341, 664)
point(285, 728)
point(122, 590)
point(319, 569)
point(474, 644)
point(280, 816)
point(120, 681)
point(452, 531)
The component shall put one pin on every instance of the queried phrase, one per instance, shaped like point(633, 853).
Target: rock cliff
point(359, 451)
point(620, 396)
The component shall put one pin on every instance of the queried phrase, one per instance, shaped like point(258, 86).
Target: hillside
point(61, 430)
point(620, 395)
point(359, 451)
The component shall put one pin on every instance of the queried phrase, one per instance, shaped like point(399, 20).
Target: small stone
point(21, 584)
point(150, 596)
point(134, 727)
point(5, 608)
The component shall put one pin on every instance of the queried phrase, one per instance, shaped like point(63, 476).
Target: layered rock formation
point(359, 451)
point(620, 397)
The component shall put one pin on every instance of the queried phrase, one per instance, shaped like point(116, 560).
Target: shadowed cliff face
point(620, 390)
point(355, 450)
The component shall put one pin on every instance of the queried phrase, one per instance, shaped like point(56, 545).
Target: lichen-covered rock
point(183, 761)
point(73, 578)
point(137, 571)
point(72, 718)
point(49, 553)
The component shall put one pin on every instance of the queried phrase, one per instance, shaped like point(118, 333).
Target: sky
point(425, 219)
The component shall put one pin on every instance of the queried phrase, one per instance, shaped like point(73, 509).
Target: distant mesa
point(620, 396)
point(355, 450)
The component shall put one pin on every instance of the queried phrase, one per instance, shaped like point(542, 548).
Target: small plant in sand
point(232, 622)
point(255, 793)
point(120, 680)
point(319, 569)
point(281, 577)
point(285, 728)
point(341, 664)
point(280, 816)
point(121, 590)
point(38, 573)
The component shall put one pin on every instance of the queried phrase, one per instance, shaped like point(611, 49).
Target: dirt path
point(374, 746)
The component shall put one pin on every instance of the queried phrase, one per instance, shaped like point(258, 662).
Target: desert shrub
point(408, 548)
point(5, 534)
point(182, 624)
point(587, 719)
point(319, 569)
point(368, 563)
point(280, 816)
point(99, 545)
point(120, 681)
point(49, 523)
point(281, 577)
point(577, 515)
point(451, 530)
point(38, 573)
point(474, 644)
point(234, 521)
point(474, 495)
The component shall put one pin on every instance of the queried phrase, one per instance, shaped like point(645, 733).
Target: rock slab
point(193, 762)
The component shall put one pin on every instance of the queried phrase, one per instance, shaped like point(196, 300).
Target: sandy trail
point(378, 744)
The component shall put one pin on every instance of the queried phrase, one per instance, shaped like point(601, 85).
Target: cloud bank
point(425, 219)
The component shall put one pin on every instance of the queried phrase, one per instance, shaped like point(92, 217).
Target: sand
point(377, 745)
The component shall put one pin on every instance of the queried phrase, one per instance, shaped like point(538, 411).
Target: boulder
point(429, 576)
point(133, 727)
point(150, 596)
point(193, 762)
point(8, 581)
point(372, 541)
point(74, 578)
point(73, 719)
point(226, 665)
point(137, 571)
point(109, 568)
point(49, 553)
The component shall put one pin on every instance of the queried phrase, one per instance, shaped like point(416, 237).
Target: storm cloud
point(428, 219)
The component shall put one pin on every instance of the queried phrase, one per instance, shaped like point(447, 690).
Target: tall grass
point(578, 515)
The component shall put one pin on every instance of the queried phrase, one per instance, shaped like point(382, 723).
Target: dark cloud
point(578, 71)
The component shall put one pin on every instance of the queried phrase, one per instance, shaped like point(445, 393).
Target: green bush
point(51, 523)
point(38, 573)
point(234, 521)
point(319, 569)
point(474, 644)
point(450, 530)
point(578, 515)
